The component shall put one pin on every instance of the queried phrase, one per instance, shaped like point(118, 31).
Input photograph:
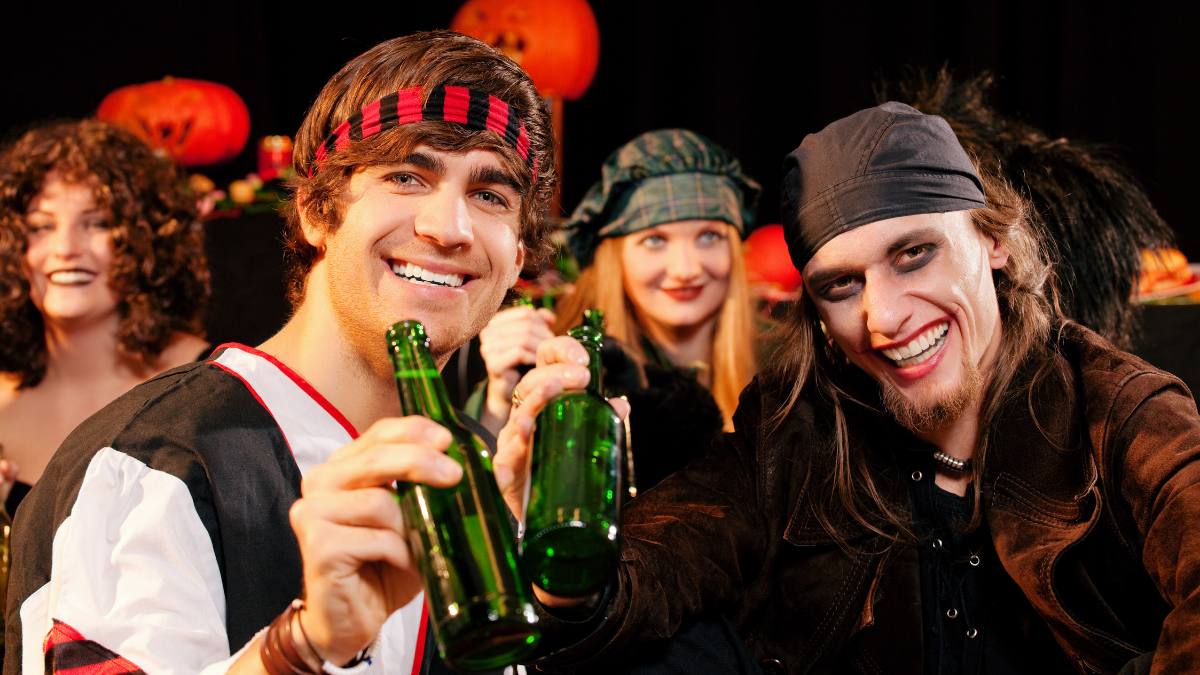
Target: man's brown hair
point(159, 272)
point(428, 60)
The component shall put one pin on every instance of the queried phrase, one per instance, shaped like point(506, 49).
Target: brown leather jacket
point(1091, 495)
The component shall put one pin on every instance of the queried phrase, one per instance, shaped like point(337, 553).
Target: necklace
point(963, 465)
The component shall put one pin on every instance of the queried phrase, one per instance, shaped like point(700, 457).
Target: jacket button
point(772, 667)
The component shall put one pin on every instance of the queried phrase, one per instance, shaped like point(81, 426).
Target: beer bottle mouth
point(406, 330)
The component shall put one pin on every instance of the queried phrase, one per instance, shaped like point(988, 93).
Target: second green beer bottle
point(571, 537)
point(460, 536)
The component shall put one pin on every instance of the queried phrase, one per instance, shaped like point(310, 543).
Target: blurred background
point(754, 75)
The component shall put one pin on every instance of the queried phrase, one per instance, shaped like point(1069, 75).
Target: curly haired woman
point(103, 282)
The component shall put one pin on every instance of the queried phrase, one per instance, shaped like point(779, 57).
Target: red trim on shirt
point(300, 382)
point(253, 393)
point(67, 652)
point(419, 652)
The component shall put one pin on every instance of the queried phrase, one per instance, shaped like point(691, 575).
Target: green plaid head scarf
point(662, 177)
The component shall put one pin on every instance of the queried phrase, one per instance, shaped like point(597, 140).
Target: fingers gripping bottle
point(460, 536)
point(571, 537)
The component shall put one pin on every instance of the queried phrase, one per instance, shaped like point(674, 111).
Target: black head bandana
point(876, 164)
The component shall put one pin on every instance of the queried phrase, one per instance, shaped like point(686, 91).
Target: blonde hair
point(601, 286)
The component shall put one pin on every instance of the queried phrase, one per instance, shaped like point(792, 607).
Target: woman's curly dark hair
point(159, 271)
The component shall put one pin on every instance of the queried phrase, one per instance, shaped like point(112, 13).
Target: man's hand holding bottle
point(561, 365)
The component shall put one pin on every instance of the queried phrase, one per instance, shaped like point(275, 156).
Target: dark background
point(753, 75)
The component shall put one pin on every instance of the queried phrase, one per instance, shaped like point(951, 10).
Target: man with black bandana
point(939, 475)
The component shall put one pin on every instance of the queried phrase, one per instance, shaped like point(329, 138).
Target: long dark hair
point(844, 490)
point(1095, 212)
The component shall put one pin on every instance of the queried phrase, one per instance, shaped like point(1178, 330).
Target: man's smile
point(419, 275)
point(919, 349)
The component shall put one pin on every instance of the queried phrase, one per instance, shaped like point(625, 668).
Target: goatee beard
point(948, 404)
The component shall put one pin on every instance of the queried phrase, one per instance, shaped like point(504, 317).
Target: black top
point(673, 418)
point(968, 600)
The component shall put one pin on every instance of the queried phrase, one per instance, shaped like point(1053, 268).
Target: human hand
point(561, 365)
point(357, 566)
point(510, 339)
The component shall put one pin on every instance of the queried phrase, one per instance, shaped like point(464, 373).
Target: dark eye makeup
point(915, 257)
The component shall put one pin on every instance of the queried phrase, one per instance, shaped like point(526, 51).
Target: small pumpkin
point(194, 121)
point(556, 41)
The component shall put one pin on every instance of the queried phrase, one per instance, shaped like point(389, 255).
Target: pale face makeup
point(68, 255)
point(911, 301)
point(677, 274)
point(434, 238)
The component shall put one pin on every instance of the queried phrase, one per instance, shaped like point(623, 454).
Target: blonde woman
point(660, 240)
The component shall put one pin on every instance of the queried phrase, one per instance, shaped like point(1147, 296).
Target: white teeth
point(419, 275)
point(67, 277)
point(919, 349)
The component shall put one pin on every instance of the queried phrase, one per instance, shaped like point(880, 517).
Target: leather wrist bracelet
point(279, 651)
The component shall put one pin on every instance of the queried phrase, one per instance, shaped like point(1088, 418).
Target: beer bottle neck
point(418, 381)
point(591, 335)
point(595, 385)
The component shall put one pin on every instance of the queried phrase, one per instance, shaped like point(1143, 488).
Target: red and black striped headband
point(470, 107)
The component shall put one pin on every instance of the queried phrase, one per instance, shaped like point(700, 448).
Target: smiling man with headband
point(228, 515)
point(939, 474)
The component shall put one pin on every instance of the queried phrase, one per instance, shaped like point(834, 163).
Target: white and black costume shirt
point(158, 538)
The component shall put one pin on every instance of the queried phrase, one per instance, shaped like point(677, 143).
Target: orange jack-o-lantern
point(194, 121)
point(556, 41)
point(767, 261)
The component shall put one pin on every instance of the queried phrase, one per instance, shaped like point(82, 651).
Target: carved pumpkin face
point(767, 260)
point(195, 122)
point(556, 41)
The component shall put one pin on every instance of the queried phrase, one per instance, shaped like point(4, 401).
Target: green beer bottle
point(571, 537)
point(460, 536)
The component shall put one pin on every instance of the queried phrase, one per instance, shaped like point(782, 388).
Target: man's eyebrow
point(819, 279)
point(495, 176)
point(920, 236)
point(426, 162)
